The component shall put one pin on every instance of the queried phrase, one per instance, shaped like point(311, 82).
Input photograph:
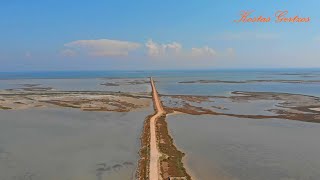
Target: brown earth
point(159, 158)
point(142, 172)
point(171, 160)
point(86, 101)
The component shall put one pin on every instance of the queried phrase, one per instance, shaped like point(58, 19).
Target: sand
point(87, 101)
point(154, 151)
point(315, 109)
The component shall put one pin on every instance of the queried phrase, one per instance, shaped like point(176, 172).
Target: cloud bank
point(150, 49)
point(176, 50)
point(155, 49)
point(103, 47)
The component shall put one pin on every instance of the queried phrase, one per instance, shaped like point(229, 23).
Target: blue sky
point(105, 35)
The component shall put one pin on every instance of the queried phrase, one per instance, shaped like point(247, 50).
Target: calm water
point(224, 105)
point(246, 149)
point(218, 147)
point(226, 74)
point(171, 86)
point(92, 84)
point(168, 80)
point(68, 144)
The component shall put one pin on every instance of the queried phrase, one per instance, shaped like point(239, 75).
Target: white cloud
point(103, 47)
point(155, 49)
point(175, 50)
point(170, 51)
point(203, 52)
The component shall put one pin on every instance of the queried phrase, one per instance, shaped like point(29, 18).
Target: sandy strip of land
point(84, 100)
point(315, 109)
point(154, 173)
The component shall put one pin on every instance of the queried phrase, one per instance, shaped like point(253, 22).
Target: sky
point(54, 35)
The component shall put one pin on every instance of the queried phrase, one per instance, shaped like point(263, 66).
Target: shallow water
point(246, 149)
point(93, 84)
point(224, 105)
point(172, 86)
point(69, 144)
point(167, 81)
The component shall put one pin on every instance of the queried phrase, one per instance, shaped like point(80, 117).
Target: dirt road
point(154, 170)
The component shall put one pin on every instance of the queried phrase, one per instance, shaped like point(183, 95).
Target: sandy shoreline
point(185, 157)
point(185, 163)
point(315, 109)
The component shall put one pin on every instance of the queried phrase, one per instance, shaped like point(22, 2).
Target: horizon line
point(136, 70)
